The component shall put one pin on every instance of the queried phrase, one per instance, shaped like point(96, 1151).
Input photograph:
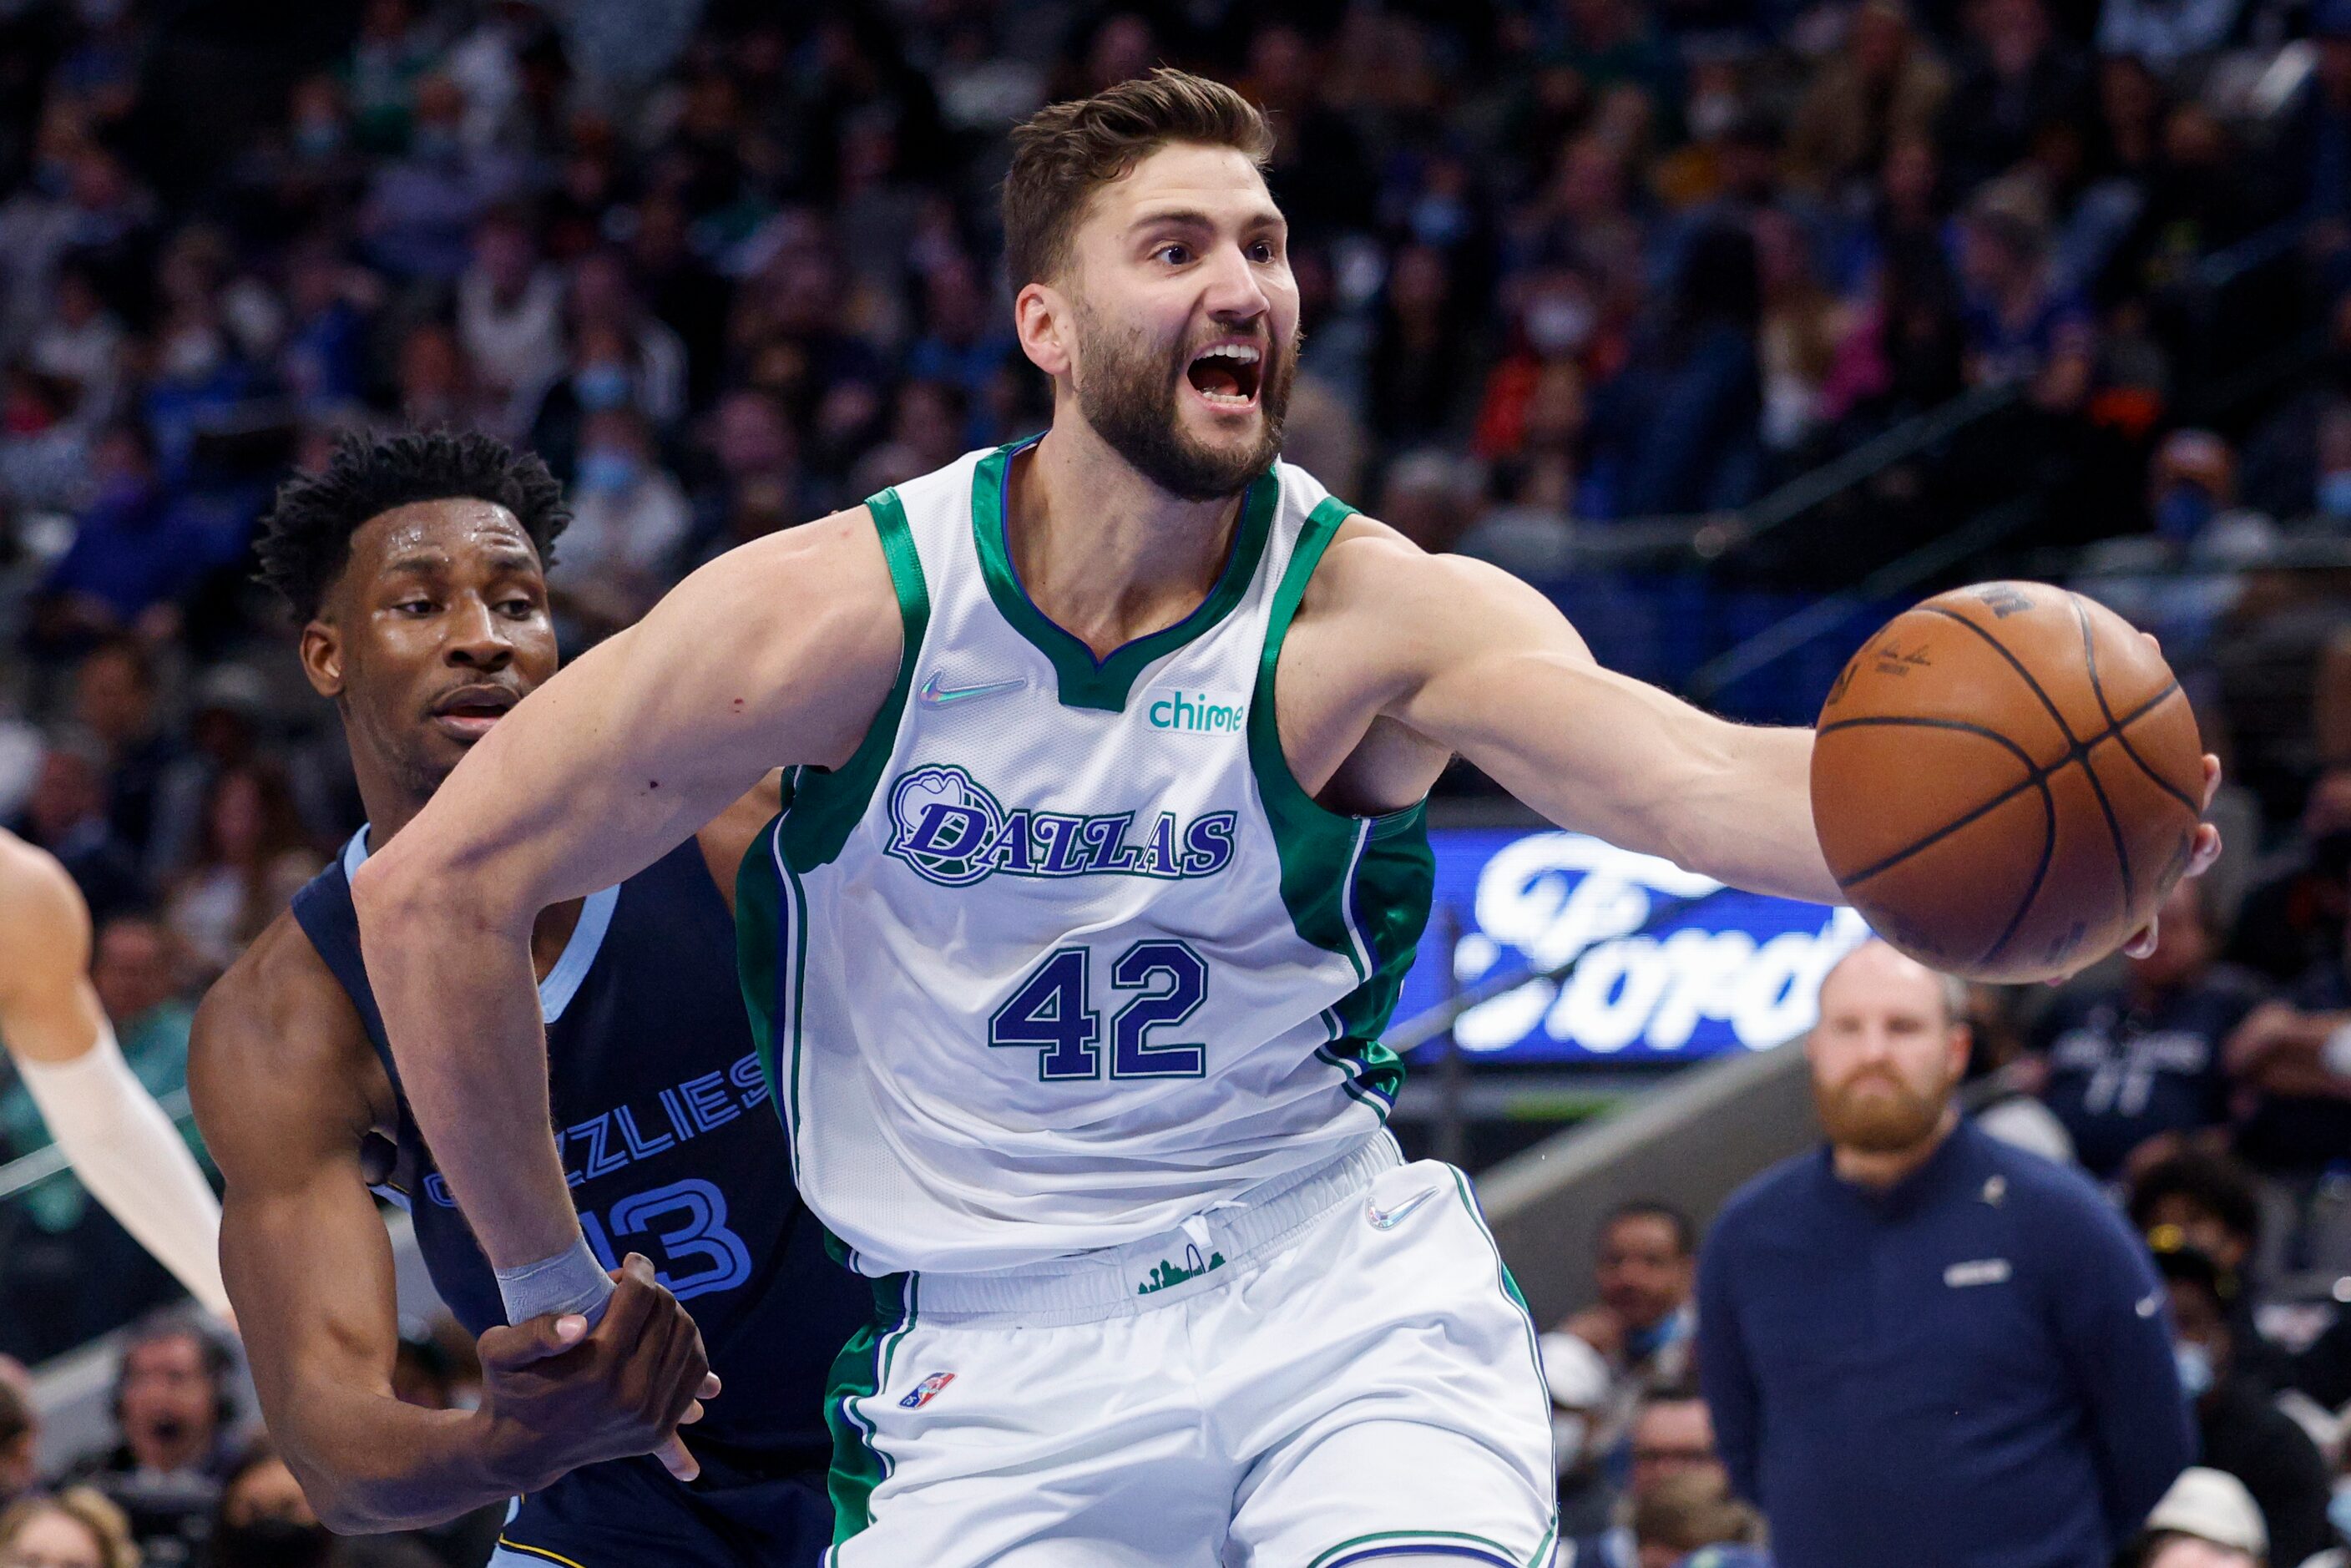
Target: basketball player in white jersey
point(1072, 944)
point(117, 1140)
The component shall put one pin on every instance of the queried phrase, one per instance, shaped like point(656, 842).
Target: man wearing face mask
point(2238, 1430)
point(1923, 1348)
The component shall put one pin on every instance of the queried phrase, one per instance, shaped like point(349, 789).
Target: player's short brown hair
point(1064, 152)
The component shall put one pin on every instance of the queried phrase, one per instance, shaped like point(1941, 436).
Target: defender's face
point(438, 627)
point(1185, 317)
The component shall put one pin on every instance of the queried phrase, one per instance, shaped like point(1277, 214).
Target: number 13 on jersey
point(1052, 1013)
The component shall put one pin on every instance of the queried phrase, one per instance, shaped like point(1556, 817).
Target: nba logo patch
point(926, 1390)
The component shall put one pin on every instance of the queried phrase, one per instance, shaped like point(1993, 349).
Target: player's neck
point(1880, 1169)
point(1107, 555)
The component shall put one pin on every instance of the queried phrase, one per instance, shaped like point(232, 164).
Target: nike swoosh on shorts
point(1389, 1218)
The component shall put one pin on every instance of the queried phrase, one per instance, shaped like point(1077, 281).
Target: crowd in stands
point(1563, 263)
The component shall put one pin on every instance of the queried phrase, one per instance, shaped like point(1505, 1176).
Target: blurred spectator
point(66, 815)
point(115, 698)
point(252, 853)
point(2296, 1055)
point(1915, 1267)
point(173, 1409)
point(1685, 1512)
point(2015, 78)
point(2295, 920)
point(510, 310)
point(2208, 1519)
point(1883, 86)
point(629, 520)
point(2239, 1431)
point(2165, 34)
point(2021, 330)
point(419, 214)
point(1672, 1443)
point(134, 555)
point(1679, 430)
point(1635, 1341)
point(2142, 1058)
point(77, 1527)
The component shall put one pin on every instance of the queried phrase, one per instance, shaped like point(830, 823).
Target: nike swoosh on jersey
point(933, 694)
point(1389, 1218)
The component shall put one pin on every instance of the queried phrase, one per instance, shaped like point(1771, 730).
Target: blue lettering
point(1012, 845)
point(598, 1242)
point(675, 1109)
point(1208, 844)
point(596, 1132)
point(438, 1191)
point(966, 824)
point(640, 1146)
point(1103, 835)
point(707, 1097)
point(1165, 862)
point(1064, 847)
point(745, 1074)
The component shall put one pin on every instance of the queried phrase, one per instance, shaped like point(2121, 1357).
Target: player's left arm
point(1482, 664)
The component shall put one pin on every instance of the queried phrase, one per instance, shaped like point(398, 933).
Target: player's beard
point(1129, 391)
point(1885, 1123)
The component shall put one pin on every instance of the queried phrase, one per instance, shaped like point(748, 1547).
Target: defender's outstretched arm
point(779, 651)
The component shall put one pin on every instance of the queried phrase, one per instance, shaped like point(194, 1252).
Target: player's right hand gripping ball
point(2007, 781)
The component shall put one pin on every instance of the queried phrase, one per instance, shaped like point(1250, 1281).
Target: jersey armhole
point(821, 806)
point(1287, 800)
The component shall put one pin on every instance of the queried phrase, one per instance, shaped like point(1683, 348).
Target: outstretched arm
point(1485, 666)
point(779, 653)
point(119, 1141)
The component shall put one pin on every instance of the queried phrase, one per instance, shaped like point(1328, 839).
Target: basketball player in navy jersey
point(417, 567)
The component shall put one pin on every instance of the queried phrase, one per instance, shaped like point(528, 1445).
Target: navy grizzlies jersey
point(669, 1139)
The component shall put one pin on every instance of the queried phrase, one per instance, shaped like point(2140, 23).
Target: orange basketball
point(2007, 781)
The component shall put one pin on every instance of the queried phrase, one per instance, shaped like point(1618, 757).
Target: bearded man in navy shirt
point(1923, 1348)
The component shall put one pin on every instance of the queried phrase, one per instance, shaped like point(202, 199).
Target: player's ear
point(1043, 320)
point(322, 658)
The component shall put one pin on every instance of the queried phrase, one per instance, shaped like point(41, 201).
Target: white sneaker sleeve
point(126, 1152)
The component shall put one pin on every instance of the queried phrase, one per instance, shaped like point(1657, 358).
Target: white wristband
point(571, 1282)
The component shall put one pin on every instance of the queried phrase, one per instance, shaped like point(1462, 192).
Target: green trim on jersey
point(1358, 886)
point(824, 805)
point(1526, 1314)
point(1387, 1541)
point(857, 1372)
point(1083, 680)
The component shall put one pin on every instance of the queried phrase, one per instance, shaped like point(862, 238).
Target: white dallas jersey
point(1064, 955)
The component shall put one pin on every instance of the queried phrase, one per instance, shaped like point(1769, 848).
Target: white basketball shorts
point(1334, 1368)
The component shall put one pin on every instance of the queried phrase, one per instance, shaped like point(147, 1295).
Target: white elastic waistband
point(1199, 1255)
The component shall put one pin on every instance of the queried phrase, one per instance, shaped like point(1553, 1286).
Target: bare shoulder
point(1375, 585)
point(41, 910)
point(277, 1044)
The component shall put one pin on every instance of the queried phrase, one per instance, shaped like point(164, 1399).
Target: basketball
point(2007, 781)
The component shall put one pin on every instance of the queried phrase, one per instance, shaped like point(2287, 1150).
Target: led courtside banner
point(1673, 965)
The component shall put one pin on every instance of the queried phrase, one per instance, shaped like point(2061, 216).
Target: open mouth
point(469, 713)
point(1226, 375)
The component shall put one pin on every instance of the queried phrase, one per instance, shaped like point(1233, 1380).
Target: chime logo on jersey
point(952, 831)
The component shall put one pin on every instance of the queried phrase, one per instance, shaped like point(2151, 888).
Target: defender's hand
point(557, 1395)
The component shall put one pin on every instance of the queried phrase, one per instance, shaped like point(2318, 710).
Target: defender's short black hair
point(306, 540)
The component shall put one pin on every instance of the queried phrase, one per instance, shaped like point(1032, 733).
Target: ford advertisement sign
point(1673, 965)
